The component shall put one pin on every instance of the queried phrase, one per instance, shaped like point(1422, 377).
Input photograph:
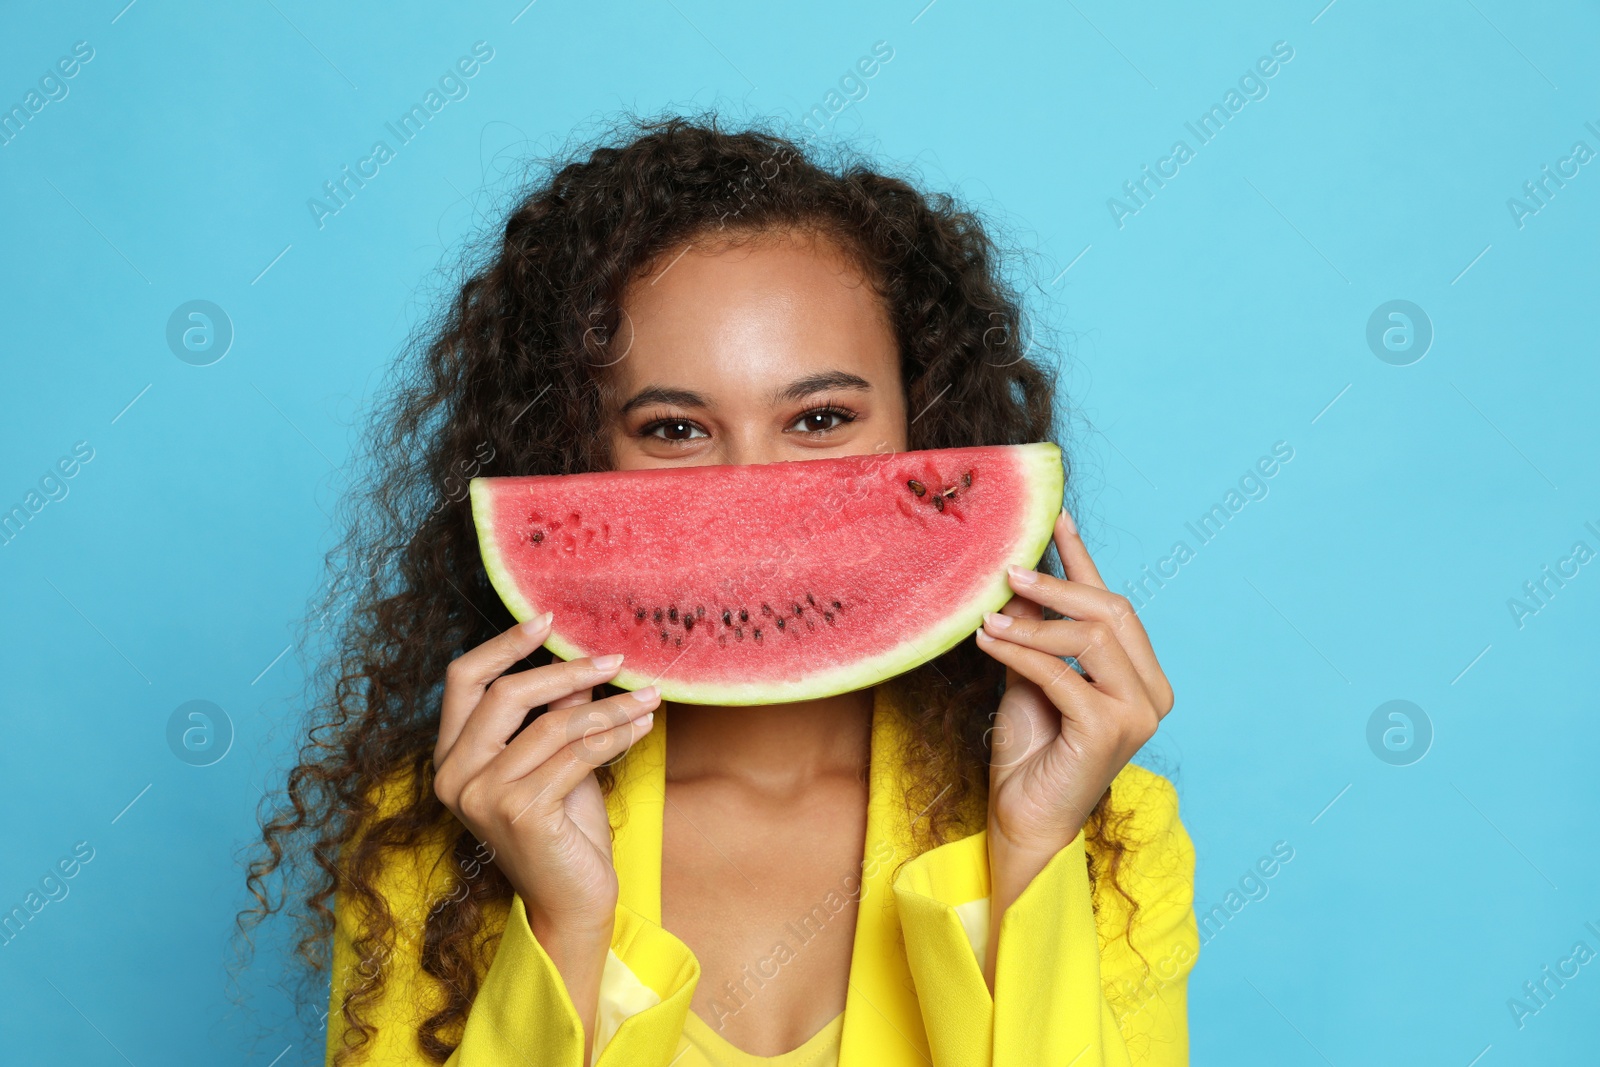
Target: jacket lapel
point(882, 1021)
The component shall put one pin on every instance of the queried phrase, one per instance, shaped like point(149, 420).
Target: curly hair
point(508, 379)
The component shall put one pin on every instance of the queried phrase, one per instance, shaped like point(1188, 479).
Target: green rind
point(1042, 473)
point(489, 549)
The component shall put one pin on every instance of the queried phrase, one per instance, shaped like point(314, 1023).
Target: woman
point(959, 866)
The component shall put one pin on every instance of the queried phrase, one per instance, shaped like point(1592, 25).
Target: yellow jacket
point(1068, 987)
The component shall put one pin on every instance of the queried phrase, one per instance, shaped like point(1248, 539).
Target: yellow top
point(1069, 989)
point(704, 1047)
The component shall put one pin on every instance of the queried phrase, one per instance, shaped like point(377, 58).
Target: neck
point(771, 747)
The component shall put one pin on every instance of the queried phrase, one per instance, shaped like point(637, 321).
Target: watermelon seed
point(810, 601)
point(672, 614)
point(638, 614)
point(758, 634)
point(917, 487)
point(738, 633)
point(744, 616)
point(538, 535)
point(699, 611)
point(780, 622)
point(966, 479)
point(838, 606)
point(727, 617)
point(938, 503)
point(688, 621)
point(798, 609)
point(663, 637)
point(678, 641)
point(828, 615)
point(949, 492)
point(657, 615)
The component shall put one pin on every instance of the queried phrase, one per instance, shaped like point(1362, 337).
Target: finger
point(1062, 686)
point(508, 700)
point(472, 672)
point(556, 731)
point(572, 700)
point(1092, 644)
point(1090, 603)
point(1075, 561)
point(559, 775)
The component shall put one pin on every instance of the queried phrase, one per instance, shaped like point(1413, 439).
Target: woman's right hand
point(535, 800)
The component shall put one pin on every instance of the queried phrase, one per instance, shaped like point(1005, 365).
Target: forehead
point(743, 314)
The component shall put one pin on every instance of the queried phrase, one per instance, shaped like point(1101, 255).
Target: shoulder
point(410, 867)
point(1145, 844)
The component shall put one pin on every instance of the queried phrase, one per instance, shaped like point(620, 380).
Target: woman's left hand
point(1060, 737)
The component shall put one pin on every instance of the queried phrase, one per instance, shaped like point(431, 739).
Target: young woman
point(528, 866)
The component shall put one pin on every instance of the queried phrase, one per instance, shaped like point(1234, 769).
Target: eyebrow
point(798, 389)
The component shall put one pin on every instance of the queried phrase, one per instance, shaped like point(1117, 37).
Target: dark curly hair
point(509, 379)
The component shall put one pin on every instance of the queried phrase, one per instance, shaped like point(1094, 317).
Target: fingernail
point(1023, 575)
point(538, 623)
point(997, 620)
point(646, 719)
point(984, 635)
point(647, 694)
point(1072, 527)
point(605, 663)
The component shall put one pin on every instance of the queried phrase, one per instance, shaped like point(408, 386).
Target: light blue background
point(1228, 314)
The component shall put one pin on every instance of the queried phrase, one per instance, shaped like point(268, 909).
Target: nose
point(746, 444)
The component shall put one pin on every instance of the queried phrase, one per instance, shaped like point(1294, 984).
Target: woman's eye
point(673, 430)
point(822, 420)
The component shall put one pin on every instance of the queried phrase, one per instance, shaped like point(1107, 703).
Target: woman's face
point(772, 349)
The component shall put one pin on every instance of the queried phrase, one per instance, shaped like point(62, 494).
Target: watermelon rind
point(1042, 475)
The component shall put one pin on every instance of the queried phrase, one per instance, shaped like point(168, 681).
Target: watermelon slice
point(769, 583)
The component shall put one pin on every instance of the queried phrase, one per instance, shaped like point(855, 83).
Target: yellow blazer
point(1069, 989)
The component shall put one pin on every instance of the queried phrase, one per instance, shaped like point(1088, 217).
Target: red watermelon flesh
point(769, 583)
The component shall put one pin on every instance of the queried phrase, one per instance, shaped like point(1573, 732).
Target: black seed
point(538, 535)
point(828, 615)
point(638, 613)
point(678, 641)
point(798, 609)
point(744, 616)
point(949, 492)
point(780, 622)
point(688, 622)
point(810, 601)
point(663, 635)
point(837, 606)
point(738, 633)
point(657, 615)
point(966, 479)
point(727, 617)
point(917, 487)
point(938, 503)
point(699, 611)
point(758, 635)
point(672, 614)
